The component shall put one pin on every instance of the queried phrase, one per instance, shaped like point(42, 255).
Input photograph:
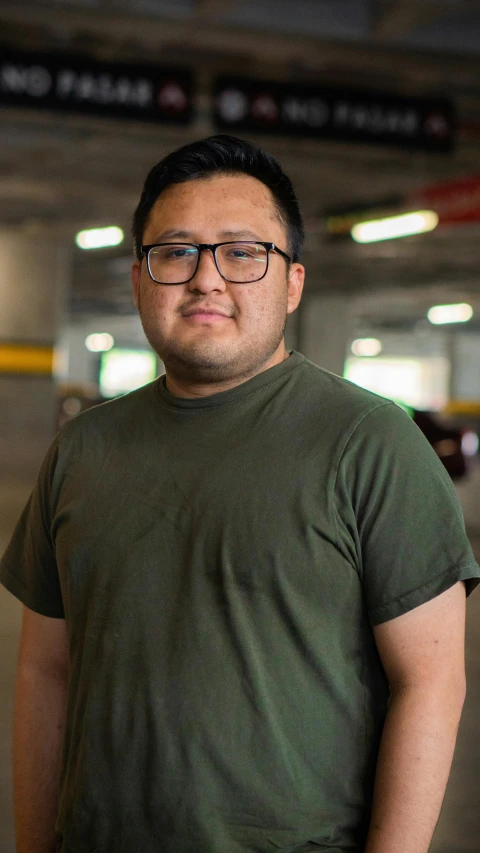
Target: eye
point(242, 253)
point(178, 253)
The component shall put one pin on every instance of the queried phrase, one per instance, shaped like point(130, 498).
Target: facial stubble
point(209, 361)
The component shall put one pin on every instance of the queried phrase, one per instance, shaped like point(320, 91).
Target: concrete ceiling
point(57, 172)
point(392, 21)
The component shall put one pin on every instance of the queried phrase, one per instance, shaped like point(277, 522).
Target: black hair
point(219, 155)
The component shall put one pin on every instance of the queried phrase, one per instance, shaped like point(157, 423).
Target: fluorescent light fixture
point(440, 314)
point(99, 342)
point(392, 227)
point(98, 238)
point(366, 347)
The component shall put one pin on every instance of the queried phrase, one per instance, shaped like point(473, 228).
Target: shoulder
point(90, 435)
point(344, 404)
point(110, 415)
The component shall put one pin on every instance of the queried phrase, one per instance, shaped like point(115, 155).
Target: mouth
point(205, 314)
point(206, 317)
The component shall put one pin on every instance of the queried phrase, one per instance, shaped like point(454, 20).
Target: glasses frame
point(270, 247)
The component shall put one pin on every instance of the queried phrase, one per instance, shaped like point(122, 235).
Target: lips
point(206, 311)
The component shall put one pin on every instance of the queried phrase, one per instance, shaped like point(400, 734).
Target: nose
point(207, 278)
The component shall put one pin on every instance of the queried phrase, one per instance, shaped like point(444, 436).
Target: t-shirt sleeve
point(399, 520)
point(28, 568)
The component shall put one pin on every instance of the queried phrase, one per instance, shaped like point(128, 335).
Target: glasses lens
point(172, 264)
point(242, 262)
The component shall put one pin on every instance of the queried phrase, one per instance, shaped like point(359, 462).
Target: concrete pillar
point(325, 329)
point(464, 355)
point(34, 273)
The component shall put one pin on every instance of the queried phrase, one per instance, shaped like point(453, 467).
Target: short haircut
point(222, 155)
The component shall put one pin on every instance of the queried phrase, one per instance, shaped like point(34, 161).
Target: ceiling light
point(440, 314)
point(470, 443)
point(393, 227)
point(99, 342)
point(366, 347)
point(98, 238)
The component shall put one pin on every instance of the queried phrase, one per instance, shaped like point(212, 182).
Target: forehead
point(233, 201)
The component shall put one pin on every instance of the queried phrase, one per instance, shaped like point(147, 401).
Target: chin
point(199, 360)
point(208, 359)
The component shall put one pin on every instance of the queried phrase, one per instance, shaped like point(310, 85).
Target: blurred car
point(446, 442)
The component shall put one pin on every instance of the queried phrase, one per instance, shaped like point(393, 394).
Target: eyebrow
point(176, 234)
point(243, 234)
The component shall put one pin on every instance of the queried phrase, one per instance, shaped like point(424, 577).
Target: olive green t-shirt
point(220, 563)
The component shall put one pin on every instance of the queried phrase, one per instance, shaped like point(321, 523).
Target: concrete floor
point(458, 829)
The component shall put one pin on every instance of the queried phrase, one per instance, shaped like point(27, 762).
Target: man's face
point(246, 333)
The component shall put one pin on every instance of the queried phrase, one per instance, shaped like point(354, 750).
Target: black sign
point(74, 84)
point(337, 114)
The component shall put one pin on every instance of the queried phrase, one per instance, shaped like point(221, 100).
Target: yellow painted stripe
point(463, 407)
point(18, 358)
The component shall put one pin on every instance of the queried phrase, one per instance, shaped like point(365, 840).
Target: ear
point(296, 279)
point(136, 274)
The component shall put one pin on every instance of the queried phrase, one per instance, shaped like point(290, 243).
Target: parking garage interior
point(79, 163)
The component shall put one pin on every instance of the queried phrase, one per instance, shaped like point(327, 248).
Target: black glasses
point(239, 262)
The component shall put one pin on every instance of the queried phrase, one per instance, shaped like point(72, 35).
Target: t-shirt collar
point(213, 401)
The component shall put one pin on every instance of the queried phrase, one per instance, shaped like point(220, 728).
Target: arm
point(423, 656)
point(38, 727)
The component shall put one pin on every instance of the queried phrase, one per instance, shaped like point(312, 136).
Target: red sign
point(456, 202)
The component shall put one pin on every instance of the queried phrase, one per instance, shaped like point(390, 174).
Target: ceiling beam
point(56, 26)
point(213, 8)
point(392, 20)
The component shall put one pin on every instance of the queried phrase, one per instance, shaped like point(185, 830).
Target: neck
point(180, 387)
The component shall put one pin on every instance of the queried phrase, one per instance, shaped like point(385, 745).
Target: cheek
point(161, 303)
point(253, 304)
point(261, 306)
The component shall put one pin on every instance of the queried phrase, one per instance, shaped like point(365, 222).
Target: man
point(245, 583)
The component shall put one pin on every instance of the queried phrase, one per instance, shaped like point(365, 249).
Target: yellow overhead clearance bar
point(462, 407)
point(26, 359)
